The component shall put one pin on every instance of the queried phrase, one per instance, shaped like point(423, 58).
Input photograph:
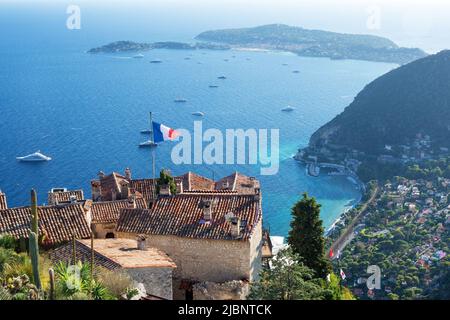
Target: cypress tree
point(306, 236)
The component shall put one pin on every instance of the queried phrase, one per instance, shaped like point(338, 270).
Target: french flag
point(163, 133)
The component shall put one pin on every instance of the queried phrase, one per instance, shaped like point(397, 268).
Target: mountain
point(394, 108)
point(314, 43)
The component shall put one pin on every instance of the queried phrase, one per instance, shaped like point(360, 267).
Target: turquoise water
point(85, 111)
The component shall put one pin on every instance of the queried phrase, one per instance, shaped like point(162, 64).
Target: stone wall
point(206, 260)
point(210, 260)
point(157, 281)
point(102, 229)
point(231, 290)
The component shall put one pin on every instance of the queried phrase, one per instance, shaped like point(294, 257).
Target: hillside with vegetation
point(314, 43)
point(406, 103)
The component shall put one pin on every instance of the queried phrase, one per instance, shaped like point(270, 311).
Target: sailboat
point(150, 142)
point(34, 157)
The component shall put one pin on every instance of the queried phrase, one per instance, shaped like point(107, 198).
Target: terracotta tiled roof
point(192, 181)
point(109, 184)
point(109, 211)
point(238, 182)
point(212, 192)
point(3, 203)
point(56, 223)
point(114, 254)
point(144, 187)
point(182, 215)
point(65, 197)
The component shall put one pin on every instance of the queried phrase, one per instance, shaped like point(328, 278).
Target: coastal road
point(348, 235)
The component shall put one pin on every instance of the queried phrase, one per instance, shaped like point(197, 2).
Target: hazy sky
point(413, 23)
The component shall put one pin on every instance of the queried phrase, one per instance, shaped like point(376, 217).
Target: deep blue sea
point(86, 111)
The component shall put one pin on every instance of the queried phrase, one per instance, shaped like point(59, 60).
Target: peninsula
point(303, 42)
point(314, 43)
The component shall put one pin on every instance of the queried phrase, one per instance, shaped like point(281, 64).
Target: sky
point(411, 23)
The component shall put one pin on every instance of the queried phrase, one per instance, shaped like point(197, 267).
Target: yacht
point(180, 100)
point(213, 86)
point(296, 71)
point(155, 61)
point(138, 56)
point(221, 77)
point(146, 131)
point(198, 113)
point(37, 156)
point(288, 109)
point(148, 143)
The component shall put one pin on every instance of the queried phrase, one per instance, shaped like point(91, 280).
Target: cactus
point(22, 244)
point(34, 254)
point(92, 262)
point(34, 213)
point(51, 274)
point(74, 250)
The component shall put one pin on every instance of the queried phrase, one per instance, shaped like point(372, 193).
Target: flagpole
point(153, 147)
point(152, 139)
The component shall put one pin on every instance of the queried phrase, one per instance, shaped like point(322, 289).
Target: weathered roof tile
point(56, 223)
point(182, 215)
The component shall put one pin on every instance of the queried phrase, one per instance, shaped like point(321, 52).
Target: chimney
point(73, 198)
point(51, 199)
point(132, 201)
point(128, 174)
point(3, 203)
point(101, 175)
point(225, 185)
point(207, 210)
point(142, 242)
point(164, 190)
point(96, 190)
point(257, 195)
point(235, 227)
point(179, 187)
point(124, 189)
point(113, 195)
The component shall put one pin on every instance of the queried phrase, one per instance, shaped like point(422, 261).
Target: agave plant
point(74, 282)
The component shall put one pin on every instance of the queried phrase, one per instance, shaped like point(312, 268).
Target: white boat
point(198, 113)
point(288, 109)
point(138, 56)
point(34, 157)
point(148, 143)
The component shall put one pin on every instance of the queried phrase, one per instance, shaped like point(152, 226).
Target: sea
point(86, 111)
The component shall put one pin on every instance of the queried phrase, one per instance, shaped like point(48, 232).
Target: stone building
point(61, 195)
point(106, 213)
point(213, 237)
point(116, 186)
point(149, 266)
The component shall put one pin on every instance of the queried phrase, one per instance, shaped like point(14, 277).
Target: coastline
point(350, 175)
